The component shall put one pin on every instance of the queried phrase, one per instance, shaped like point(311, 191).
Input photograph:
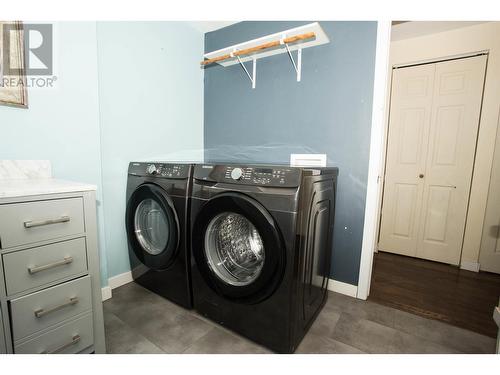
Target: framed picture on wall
point(12, 65)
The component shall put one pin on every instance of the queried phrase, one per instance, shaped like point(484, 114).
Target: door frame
point(483, 39)
point(377, 136)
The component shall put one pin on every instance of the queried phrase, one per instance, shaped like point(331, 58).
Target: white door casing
point(489, 257)
point(427, 183)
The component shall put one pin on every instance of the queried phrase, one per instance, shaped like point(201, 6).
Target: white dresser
point(3, 349)
point(50, 292)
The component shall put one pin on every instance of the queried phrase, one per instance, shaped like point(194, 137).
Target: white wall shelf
point(287, 41)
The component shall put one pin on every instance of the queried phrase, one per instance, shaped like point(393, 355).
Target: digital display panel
point(263, 170)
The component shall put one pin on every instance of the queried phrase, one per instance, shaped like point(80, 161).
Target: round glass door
point(151, 226)
point(237, 247)
point(234, 249)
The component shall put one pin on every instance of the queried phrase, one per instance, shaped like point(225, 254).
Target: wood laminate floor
point(436, 291)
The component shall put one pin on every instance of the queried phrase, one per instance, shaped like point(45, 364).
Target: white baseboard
point(106, 293)
point(470, 266)
point(115, 282)
point(343, 288)
point(126, 277)
point(119, 280)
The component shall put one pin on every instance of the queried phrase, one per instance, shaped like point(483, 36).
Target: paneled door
point(433, 127)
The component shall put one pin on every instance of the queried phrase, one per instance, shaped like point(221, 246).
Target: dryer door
point(152, 226)
point(238, 248)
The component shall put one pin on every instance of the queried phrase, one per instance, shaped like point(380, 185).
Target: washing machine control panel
point(268, 176)
point(262, 176)
point(159, 170)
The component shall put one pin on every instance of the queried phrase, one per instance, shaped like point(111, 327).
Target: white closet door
point(458, 92)
point(411, 107)
point(424, 214)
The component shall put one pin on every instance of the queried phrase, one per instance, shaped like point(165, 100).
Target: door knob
point(421, 175)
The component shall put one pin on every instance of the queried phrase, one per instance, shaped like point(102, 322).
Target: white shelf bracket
point(253, 77)
point(297, 66)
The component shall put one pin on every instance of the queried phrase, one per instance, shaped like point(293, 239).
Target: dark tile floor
point(138, 321)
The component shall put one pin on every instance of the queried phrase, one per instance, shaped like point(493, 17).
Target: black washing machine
point(261, 246)
point(157, 226)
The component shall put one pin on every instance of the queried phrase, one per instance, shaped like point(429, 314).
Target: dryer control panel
point(275, 176)
point(160, 170)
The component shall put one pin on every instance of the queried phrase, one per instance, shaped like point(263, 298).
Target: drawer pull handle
point(35, 269)
point(74, 340)
point(42, 312)
point(32, 224)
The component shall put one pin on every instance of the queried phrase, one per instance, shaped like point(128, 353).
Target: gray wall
point(329, 111)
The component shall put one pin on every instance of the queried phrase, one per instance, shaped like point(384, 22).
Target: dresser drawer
point(41, 265)
point(26, 223)
point(40, 310)
point(69, 338)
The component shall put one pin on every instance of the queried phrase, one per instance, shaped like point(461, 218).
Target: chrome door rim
point(147, 244)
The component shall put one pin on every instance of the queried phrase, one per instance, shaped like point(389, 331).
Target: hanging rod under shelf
point(247, 51)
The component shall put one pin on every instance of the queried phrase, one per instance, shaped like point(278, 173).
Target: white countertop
point(10, 188)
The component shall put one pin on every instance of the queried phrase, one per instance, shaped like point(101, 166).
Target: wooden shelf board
point(315, 27)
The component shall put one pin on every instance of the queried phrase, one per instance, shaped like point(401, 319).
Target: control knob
point(152, 169)
point(237, 174)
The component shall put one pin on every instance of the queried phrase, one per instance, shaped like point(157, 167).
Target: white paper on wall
point(308, 160)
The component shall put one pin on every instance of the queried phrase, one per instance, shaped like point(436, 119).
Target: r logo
point(38, 45)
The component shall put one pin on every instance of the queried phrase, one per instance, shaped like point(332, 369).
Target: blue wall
point(62, 124)
point(125, 91)
point(151, 108)
point(329, 111)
